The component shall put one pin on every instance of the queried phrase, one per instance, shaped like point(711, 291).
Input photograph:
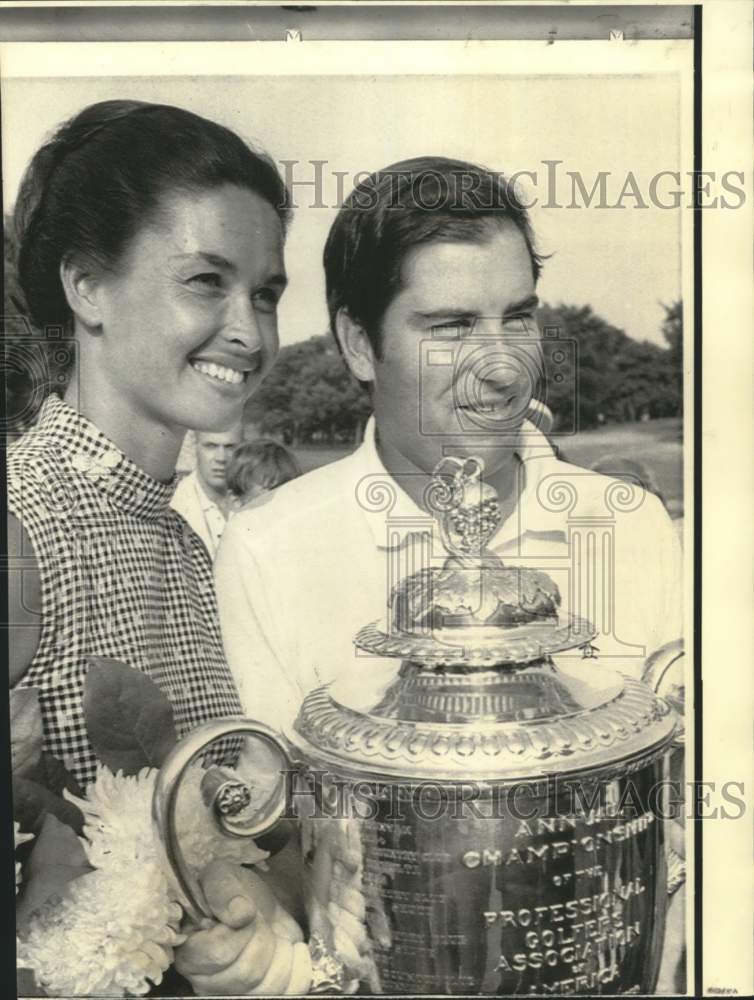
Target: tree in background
point(607, 372)
point(672, 331)
point(310, 397)
point(590, 345)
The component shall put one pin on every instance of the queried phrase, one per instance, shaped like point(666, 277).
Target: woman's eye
point(266, 300)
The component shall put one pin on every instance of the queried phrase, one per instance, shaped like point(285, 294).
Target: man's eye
point(452, 328)
point(521, 323)
point(207, 279)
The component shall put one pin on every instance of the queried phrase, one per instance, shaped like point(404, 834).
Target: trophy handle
point(663, 671)
point(227, 797)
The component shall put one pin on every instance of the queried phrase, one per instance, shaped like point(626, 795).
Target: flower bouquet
point(98, 908)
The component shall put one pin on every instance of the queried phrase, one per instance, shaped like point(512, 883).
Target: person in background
point(257, 467)
point(202, 497)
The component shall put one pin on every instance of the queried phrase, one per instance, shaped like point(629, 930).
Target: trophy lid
point(473, 610)
point(533, 722)
point(478, 694)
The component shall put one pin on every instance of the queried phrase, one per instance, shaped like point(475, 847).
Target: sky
point(623, 262)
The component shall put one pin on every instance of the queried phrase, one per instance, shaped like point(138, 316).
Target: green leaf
point(57, 859)
point(52, 773)
point(26, 733)
point(128, 718)
point(32, 802)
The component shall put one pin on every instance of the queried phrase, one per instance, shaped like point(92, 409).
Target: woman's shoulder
point(33, 471)
point(36, 452)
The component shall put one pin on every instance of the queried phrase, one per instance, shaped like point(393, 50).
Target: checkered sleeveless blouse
point(122, 575)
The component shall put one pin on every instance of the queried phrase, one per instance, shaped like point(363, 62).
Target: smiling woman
point(156, 238)
point(195, 301)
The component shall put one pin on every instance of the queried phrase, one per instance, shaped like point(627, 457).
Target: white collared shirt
point(201, 512)
point(298, 575)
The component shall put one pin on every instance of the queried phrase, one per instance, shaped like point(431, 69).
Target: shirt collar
point(392, 515)
point(205, 502)
point(87, 452)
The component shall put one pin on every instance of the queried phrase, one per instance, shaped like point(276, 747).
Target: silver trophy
point(482, 820)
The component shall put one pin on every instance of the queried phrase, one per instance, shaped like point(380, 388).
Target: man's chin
point(495, 452)
point(484, 439)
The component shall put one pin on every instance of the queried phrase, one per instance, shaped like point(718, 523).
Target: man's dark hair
point(404, 206)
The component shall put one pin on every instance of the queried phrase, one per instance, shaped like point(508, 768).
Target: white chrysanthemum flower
point(118, 823)
point(115, 930)
point(118, 819)
point(19, 838)
point(113, 934)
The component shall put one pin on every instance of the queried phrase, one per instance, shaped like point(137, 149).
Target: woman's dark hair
point(265, 463)
point(404, 206)
point(102, 177)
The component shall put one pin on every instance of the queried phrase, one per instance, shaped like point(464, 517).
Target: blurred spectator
point(257, 467)
point(202, 497)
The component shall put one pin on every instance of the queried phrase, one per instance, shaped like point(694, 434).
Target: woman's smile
point(202, 290)
point(219, 373)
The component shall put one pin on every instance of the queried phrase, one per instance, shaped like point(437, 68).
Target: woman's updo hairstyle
point(102, 177)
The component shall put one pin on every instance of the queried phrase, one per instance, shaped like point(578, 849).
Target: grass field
point(657, 444)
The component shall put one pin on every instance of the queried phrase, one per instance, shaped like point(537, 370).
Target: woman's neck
point(151, 446)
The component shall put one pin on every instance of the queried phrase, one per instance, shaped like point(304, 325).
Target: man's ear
point(355, 345)
point(82, 292)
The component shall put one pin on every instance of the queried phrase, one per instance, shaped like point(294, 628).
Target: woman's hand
point(254, 948)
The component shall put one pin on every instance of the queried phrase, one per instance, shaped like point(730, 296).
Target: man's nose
point(495, 366)
point(499, 361)
point(242, 326)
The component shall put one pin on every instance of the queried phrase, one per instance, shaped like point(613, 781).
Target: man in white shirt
point(433, 310)
point(431, 272)
point(202, 497)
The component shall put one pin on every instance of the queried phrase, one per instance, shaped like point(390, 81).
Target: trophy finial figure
point(467, 508)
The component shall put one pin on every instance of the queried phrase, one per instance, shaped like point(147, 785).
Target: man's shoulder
point(587, 493)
